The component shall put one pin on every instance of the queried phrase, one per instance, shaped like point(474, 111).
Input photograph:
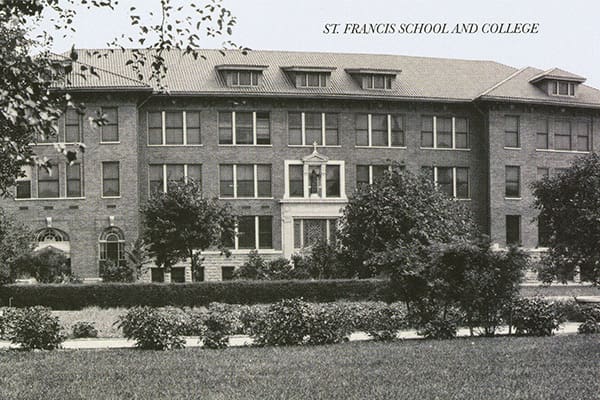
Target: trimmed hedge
point(106, 295)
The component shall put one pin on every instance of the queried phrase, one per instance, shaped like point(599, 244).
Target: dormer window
point(241, 75)
point(562, 88)
point(374, 79)
point(309, 77)
point(556, 82)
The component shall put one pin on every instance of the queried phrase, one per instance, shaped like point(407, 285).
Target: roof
point(557, 73)
point(422, 78)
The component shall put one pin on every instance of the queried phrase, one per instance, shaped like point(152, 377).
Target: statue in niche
point(314, 182)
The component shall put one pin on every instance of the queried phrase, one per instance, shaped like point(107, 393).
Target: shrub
point(327, 324)
point(35, 328)
point(106, 295)
point(534, 317)
point(286, 323)
point(589, 326)
point(84, 329)
point(46, 266)
point(154, 328)
point(220, 322)
point(116, 272)
point(439, 328)
point(7, 318)
point(252, 319)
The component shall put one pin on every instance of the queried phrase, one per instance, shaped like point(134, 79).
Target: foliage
point(257, 268)
point(286, 323)
point(104, 295)
point(325, 261)
point(16, 241)
point(84, 329)
point(35, 328)
point(575, 312)
point(111, 271)
point(588, 327)
point(382, 321)
point(327, 324)
point(7, 318)
point(534, 317)
point(138, 257)
point(181, 223)
point(439, 328)
point(219, 323)
point(154, 328)
point(386, 226)
point(568, 204)
point(46, 266)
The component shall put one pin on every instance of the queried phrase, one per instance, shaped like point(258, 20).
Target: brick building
point(286, 137)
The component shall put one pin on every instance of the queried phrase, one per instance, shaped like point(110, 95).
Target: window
point(178, 275)
point(244, 78)
point(74, 187)
point(582, 136)
point(513, 181)
point(563, 88)
point(542, 133)
point(24, 183)
point(444, 132)
point(543, 232)
point(513, 230)
point(247, 128)
point(72, 126)
point(227, 273)
point(454, 181)
point(110, 129)
point(48, 182)
point(311, 79)
point(377, 81)
point(159, 175)
point(369, 174)
point(308, 232)
point(174, 128)
point(110, 179)
point(511, 131)
point(254, 232)
point(112, 245)
point(304, 129)
point(245, 180)
point(562, 135)
point(380, 130)
point(319, 180)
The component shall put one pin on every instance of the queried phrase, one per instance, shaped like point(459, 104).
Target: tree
point(386, 227)
point(16, 241)
point(569, 205)
point(181, 223)
point(47, 265)
point(34, 88)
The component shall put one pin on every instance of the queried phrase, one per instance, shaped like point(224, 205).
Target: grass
point(485, 368)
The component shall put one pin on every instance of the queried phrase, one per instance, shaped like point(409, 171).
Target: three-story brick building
point(286, 137)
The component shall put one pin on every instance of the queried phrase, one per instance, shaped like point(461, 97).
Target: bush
point(7, 318)
point(106, 295)
point(588, 327)
point(84, 329)
point(439, 328)
point(116, 272)
point(327, 324)
point(219, 322)
point(534, 317)
point(286, 323)
point(35, 328)
point(155, 328)
point(380, 320)
point(46, 266)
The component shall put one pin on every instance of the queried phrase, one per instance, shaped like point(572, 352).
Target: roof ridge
point(502, 82)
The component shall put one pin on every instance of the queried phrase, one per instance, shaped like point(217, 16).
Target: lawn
point(564, 367)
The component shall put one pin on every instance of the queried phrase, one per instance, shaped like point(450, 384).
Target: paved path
point(568, 328)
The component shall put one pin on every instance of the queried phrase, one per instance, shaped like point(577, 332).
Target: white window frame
point(256, 234)
point(323, 131)
point(389, 132)
point(164, 174)
point(303, 82)
point(233, 130)
point(255, 177)
point(306, 178)
point(164, 129)
point(454, 182)
point(370, 80)
point(236, 74)
point(453, 147)
point(570, 89)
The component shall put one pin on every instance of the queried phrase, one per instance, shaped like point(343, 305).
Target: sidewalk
point(568, 328)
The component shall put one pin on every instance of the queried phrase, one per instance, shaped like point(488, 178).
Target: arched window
point(51, 235)
point(112, 245)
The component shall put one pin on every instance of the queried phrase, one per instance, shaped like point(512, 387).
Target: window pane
point(263, 132)
point(110, 181)
point(174, 131)
point(582, 132)
point(265, 232)
point(296, 181)
point(362, 175)
point(513, 229)
point(246, 233)
point(263, 173)
point(225, 128)
point(175, 172)
point(314, 231)
point(333, 181)
point(155, 177)
point(192, 125)
point(444, 132)
point(362, 132)
point(110, 131)
point(245, 180)
point(462, 183)
point(378, 82)
point(427, 131)
point(331, 130)
point(226, 180)
point(562, 135)
point(194, 173)
point(511, 131)
point(313, 79)
point(73, 132)
point(563, 88)
point(244, 78)
point(48, 182)
point(512, 181)
point(74, 180)
point(313, 128)
point(297, 234)
point(461, 133)
point(444, 180)
point(379, 131)
point(397, 130)
point(243, 128)
point(295, 128)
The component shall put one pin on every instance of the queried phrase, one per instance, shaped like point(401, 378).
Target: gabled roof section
point(557, 74)
point(519, 88)
point(315, 157)
point(297, 68)
point(240, 67)
point(373, 71)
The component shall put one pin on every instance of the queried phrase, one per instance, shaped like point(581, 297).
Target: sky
point(568, 32)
